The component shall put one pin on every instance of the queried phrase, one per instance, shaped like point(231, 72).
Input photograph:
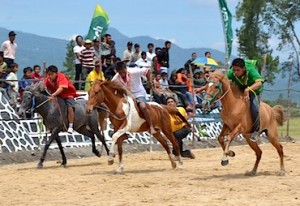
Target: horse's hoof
point(97, 153)
point(63, 165)
point(282, 173)
point(251, 173)
point(120, 171)
point(110, 161)
point(39, 166)
point(173, 165)
point(179, 166)
point(224, 162)
point(231, 153)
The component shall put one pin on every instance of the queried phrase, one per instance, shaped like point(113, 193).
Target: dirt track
point(149, 180)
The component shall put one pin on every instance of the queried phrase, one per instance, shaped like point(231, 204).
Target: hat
point(129, 43)
point(12, 33)
point(88, 41)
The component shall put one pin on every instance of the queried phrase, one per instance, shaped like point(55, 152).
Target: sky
point(187, 23)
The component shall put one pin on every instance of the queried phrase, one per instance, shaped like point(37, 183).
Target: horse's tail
point(278, 112)
point(174, 110)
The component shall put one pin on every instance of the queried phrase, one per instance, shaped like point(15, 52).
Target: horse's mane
point(116, 86)
point(223, 78)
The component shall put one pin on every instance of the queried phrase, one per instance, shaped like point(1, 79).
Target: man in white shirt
point(150, 53)
point(78, 66)
point(131, 79)
point(143, 62)
point(127, 54)
point(9, 48)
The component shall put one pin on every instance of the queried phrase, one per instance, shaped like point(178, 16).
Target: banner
point(227, 21)
point(99, 24)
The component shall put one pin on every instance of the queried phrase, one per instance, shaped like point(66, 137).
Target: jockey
point(179, 128)
point(131, 79)
point(250, 81)
point(60, 85)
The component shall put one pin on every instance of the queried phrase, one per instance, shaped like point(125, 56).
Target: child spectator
point(35, 75)
point(26, 80)
point(13, 85)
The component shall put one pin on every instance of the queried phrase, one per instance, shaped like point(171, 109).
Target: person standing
point(97, 73)
point(163, 58)
point(13, 85)
point(179, 128)
point(9, 48)
point(131, 79)
point(87, 56)
point(247, 78)
point(60, 86)
point(127, 54)
point(78, 66)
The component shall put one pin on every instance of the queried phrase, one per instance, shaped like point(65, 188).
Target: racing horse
point(54, 114)
point(237, 119)
point(126, 117)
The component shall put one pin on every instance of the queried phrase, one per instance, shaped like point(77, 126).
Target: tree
point(280, 16)
point(69, 61)
point(253, 39)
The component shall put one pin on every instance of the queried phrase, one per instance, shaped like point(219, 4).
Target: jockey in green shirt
point(250, 81)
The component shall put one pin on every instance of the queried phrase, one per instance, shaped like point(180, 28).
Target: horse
point(126, 117)
point(54, 114)
point(237, 118)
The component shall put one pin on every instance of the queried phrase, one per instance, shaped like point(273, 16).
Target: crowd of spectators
point(96, 59)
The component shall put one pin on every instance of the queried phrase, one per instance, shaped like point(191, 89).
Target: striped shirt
point(87, 57)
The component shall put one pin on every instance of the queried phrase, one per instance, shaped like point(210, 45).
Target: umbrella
point(205, 61)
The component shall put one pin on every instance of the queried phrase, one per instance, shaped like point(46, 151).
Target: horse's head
point(213, 90)
point(96, 96)
point(28, 99)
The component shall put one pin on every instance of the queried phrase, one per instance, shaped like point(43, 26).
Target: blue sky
point(188, 23)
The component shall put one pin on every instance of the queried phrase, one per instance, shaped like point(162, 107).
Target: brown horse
point(237, 119)
point(126, 117)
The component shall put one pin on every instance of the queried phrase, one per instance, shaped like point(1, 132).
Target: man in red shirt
point(60, 85)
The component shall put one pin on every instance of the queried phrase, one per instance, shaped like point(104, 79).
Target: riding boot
point(148, 119)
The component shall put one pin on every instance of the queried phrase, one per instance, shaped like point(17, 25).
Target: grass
point(294, 130)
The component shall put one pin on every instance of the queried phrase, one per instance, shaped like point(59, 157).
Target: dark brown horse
point(237, 119)
point(126, 117)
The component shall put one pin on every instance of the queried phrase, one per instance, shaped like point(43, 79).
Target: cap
point(129, 43)
point(12, 33)
point(88, 41)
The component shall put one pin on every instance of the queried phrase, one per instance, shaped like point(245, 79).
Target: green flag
point(227, 21)
point(99, 24)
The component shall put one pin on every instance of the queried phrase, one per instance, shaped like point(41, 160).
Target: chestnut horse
point(237, 119)
point(126, 117)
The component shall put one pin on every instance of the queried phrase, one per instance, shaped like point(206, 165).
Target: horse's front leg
point(48, 143)
point(120, 169)
point(227, 140)
point(115, 138)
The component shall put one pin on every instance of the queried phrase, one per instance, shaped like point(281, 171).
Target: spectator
point(189, 63)
point(207, 54)
point(9, 48)
point(155, 62)
point(96, 46)
point(127, 54)
point(26, 80)
point(13, 85)
point(136, 54)
point(78, 65)
point(179, 89)
point(94, 75)
point(3, 74)
point(158, 92)
point(183, 79)
point(111, 71)
point(143, 62)
point(165, 86)
point(150, 53)
point(163, 57)
point(87, 56)
point(111, 44)
point(35, 75)
point(105, 52)
point(180, 129)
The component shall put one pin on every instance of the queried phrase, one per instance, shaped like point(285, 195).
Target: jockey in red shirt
point(60, 85)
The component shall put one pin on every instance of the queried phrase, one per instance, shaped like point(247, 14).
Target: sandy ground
point(150, 180)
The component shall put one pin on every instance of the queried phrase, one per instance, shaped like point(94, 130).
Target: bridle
point(214, 96)
point(33, 107)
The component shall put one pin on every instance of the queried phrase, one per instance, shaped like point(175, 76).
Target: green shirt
point(249, 78)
